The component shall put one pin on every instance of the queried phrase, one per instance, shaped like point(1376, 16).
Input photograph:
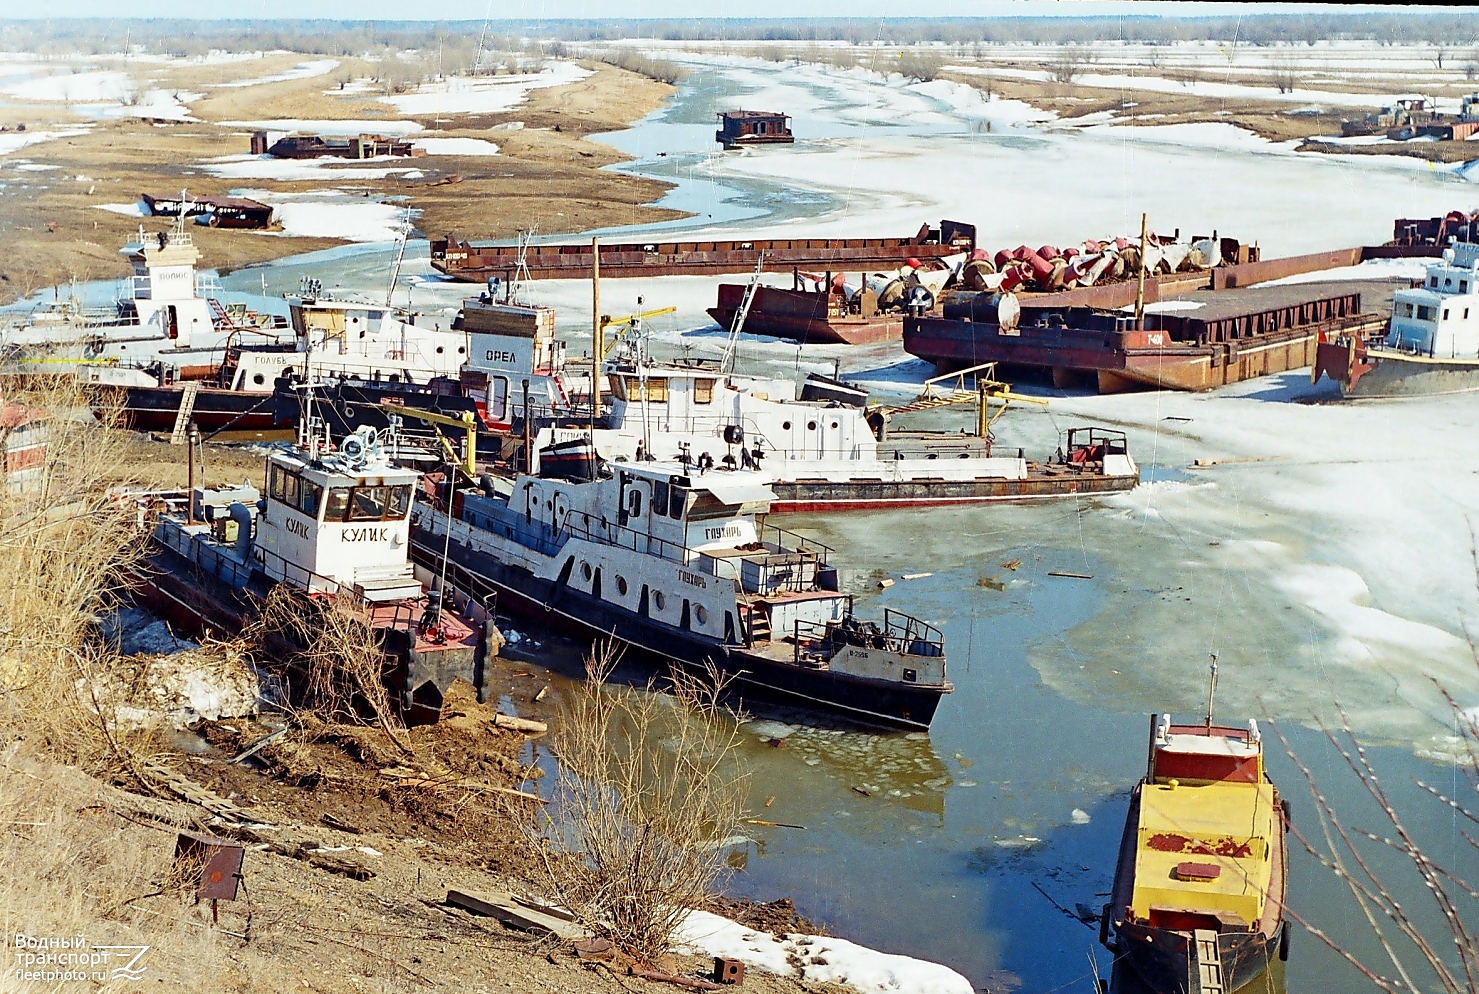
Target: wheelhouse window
point(292, 490)
point(703, 390)
point(377, 503)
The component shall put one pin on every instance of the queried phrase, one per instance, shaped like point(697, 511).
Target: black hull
point(157, 408)
point(1163, 959)
point(562, 609)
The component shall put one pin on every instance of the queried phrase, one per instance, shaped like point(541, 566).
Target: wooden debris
point(1075, 576)
point(447, 780)
point(990, 584)
point(1011, 564)
point(885, 583)
point(517, 915)
point(260, 744)
point(692, 983)
point(916, 576)
point(772, 824)
point(340, 824)
point(526, 725)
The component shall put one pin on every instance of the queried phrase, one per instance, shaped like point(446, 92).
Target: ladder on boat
point(1206, 963)
point(726, 364)
point(188, 393)
point(757, 622)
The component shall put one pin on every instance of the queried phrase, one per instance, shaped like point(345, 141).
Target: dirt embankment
point(548, 173)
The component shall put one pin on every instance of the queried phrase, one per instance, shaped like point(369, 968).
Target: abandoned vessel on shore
point(328, 523)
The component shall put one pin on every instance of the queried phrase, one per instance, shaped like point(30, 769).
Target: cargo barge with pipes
point(459, 259)
point(1194, 331)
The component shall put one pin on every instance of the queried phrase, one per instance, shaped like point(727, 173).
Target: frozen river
point(1323, 551)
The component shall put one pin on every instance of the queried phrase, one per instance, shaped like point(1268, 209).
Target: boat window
point(659, 496)
point(309, 498)
point(1433, 282)
point(703, 390)
point(617, 386)
point(657, 389)
point(400, 501)
point(338, 504)
point(1445, 314)
point(1424, 312)
point(707, 507)
point(677, 500)
point(1463, 286)
point(1407, 310)
point(497, 403)
point(634, 503)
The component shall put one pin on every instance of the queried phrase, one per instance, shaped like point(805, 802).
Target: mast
point(1211, 692)
point(597, 343)
point(1140, 290)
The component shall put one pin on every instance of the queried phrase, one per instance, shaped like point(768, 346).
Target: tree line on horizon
point(184, 37)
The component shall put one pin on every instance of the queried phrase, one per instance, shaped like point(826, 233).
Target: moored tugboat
point(328, 523)
point(679, 565)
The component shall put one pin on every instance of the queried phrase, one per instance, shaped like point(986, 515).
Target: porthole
point(700, 615)
point(259, 379)
point(658, 600)
point(834, 425)
point(785, 426)
point(621, 585)
point(585, 571)
point(460, 350)
point(440, 350)
point(811, 426)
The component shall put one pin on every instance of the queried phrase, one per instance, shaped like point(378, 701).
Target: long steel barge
point(476, 263)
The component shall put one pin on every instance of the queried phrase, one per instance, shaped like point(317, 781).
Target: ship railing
point(583, 524)
point(816, 641)
point(782, 540)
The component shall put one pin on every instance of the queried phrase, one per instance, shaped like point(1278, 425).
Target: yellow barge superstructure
point(1198, 897)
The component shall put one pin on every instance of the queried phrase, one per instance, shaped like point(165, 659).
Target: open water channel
point(1324, 552)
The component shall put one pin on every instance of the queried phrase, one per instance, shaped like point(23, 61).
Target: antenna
point(515, 294)
point(1211, 692)
point(400, 255)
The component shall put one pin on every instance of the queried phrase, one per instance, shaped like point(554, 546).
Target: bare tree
point(1350, 852)
point(649, 787)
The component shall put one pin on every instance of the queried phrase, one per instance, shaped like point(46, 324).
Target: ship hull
point(472, 263)
point(1273, 332)
point(577, 614)
point(1374, 373)
point(1162, 958)
point(865, 495)
point(215, 409)
point(802, 316)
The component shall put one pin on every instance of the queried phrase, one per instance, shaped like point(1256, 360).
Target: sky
point(481, 9)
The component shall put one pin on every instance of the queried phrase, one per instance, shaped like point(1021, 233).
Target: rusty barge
point(1203, 331)
point(459, 259)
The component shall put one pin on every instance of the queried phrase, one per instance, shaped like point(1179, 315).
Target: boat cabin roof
point(731, 487)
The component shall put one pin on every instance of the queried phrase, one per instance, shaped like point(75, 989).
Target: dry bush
point(649, 787)
point(66, 545)
point(337, 661)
